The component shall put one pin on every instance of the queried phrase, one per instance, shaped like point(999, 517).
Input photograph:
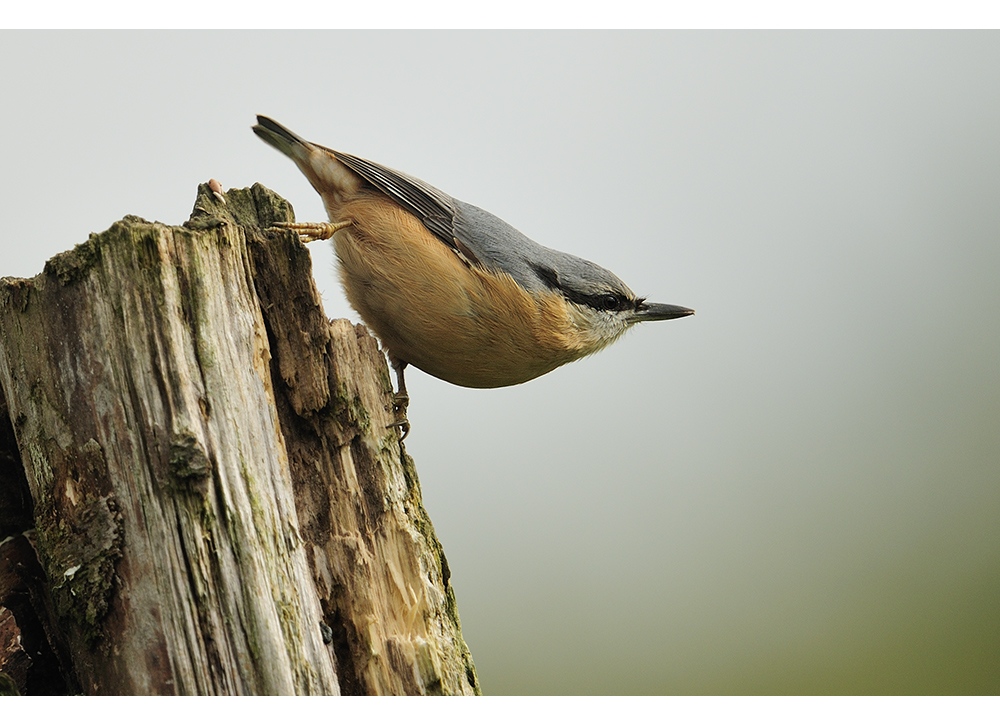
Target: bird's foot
point(399, 403)
point(313, 231)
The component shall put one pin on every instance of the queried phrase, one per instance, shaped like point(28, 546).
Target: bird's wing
point(433, 207)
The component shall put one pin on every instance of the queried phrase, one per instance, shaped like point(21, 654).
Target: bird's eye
point(609, 302)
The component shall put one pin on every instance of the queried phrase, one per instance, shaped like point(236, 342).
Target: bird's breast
point(463, 324)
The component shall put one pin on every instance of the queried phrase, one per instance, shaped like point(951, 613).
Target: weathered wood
point(218, 504)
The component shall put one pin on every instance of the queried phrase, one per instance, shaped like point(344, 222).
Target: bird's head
point(601, 306)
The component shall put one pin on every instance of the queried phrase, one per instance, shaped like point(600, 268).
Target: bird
point(448, 287)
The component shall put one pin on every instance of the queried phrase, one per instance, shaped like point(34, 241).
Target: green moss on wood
point(71, 266)
point(422, 522)
point(256, 206)
point(188, 460)
point(80, 555)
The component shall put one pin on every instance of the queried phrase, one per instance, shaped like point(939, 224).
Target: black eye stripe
point(606, 301)
point(548, 276)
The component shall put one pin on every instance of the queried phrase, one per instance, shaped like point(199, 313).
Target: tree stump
point(199, 493)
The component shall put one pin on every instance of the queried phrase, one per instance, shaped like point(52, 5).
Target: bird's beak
point(659, 311)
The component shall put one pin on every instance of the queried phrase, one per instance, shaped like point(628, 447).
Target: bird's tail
point(288, 143)
point(328, 175)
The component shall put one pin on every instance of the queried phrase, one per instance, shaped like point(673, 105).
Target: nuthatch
point(450, 288)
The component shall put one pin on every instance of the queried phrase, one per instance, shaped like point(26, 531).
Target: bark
point(199, 493)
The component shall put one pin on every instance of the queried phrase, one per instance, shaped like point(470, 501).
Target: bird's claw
point(312, 231)
point(399, 403)
point(403, 426)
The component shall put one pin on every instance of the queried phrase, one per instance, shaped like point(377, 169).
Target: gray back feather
point(484, 239)
point(534, 267)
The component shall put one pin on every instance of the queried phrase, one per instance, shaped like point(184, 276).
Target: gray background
point(795, 491)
